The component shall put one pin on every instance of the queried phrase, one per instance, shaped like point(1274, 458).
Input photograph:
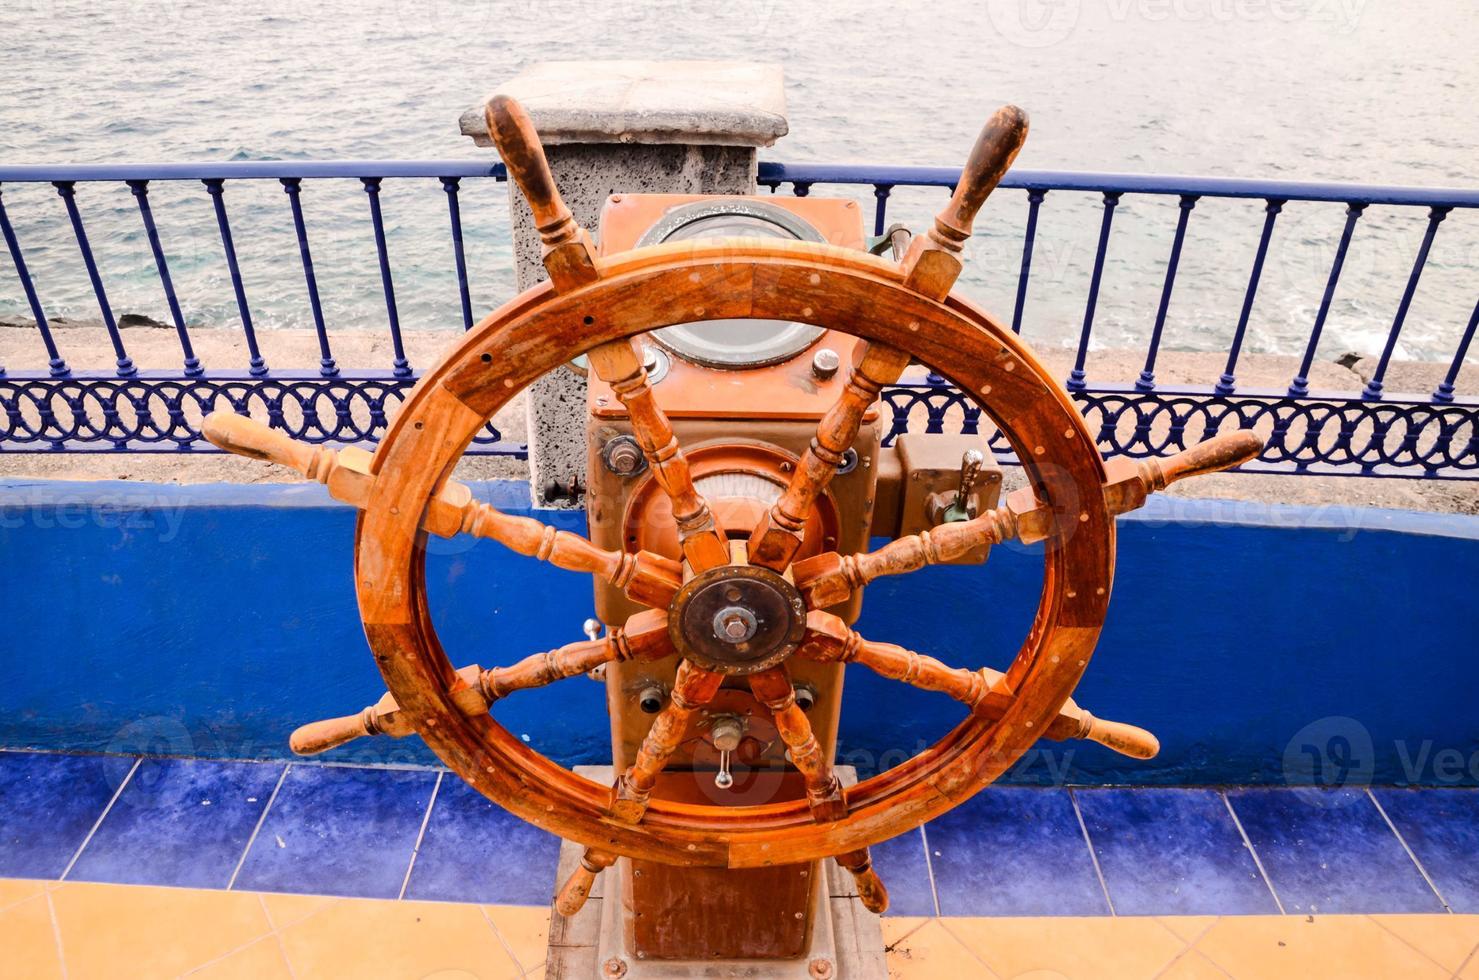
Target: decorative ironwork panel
point(163, 414)
point(1309, 435)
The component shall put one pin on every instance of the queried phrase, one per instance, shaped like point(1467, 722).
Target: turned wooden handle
point(871, 889)
point(577, 888)
point(320, 736)
point(995, 149)
point(518, 144)
point(1220, 452)
point(1137, 743)
point(248, 437)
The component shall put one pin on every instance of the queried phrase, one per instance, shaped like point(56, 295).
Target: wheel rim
point(654, 287)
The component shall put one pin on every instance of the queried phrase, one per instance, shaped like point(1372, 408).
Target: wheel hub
point(737, 619)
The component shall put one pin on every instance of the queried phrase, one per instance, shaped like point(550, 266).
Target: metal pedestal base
point(847, 941)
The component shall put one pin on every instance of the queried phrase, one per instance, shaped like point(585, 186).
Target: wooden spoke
point(693, 688)
point(932, 263)
point(776, 538)
point(569, 255)
point(984, 691)
point(1130, 481)
point(644, 637)
point(645, 577)
point(773, 689)
point(930, 268)
point(619, 365)
point(830, 578)
point(870, 887)
point(571, 897)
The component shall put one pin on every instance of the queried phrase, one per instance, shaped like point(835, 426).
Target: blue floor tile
point(475, 851)
point(1172, 852)
point(901, 864)
point(182, 822)
point(1330, 851)
point(48, 804)
point(1442, 828)
point(339, 831)
point(1011, 851)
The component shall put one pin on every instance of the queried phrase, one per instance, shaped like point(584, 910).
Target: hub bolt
point(734, 624)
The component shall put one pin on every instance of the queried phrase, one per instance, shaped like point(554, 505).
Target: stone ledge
point(724, 103)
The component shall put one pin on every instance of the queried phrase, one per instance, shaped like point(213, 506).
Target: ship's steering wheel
point(705, 613)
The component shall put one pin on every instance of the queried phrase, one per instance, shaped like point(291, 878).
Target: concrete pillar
point(618, 127)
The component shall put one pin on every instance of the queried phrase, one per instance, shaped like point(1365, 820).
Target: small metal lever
point(726, 735)
point(961, 508)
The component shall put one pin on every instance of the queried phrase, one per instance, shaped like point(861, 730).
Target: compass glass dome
point(738, 343)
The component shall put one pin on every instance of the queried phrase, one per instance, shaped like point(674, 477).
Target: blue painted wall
point(1260, 643)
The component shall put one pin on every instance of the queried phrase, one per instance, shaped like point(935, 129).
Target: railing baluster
point(1374, 384)
point(56, 364)
point(454, 210)
point(880, 194)
point(1076, 378)
point(215, 185)
point(1034, 201)
point(1444, 391)
point(402, 367)
point(1228, 382)
point(326, 366)
point(1300, 386)
point(1146, 381)
point(68, 191)
point(141, 192)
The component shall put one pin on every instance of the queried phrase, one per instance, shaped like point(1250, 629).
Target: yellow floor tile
point(1188, 927)
point(896, 927)
point(262, 960)
point(1192, 965)
point(396, 941)
point(139, 931)
point(1470, 970)
point(525, 931)
point(28, 941)
point(287, 910)
point(930, 952)
point(1446, 939)
point(1100, 947)
point(13, 890)
point(1320, 946)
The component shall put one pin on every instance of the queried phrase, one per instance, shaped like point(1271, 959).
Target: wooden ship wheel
point(735, 610)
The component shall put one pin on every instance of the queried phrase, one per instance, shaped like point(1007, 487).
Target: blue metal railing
point(1365, 432)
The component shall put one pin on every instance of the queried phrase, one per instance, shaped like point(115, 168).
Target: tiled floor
point(143, 932)
point(414, 834)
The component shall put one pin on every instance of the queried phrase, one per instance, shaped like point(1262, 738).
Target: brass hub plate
point(737, 619)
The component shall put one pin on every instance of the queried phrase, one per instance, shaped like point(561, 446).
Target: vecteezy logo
point(1033, 23)
point(1330, 753)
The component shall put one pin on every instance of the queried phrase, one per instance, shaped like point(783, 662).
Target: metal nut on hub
point(734, 624)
